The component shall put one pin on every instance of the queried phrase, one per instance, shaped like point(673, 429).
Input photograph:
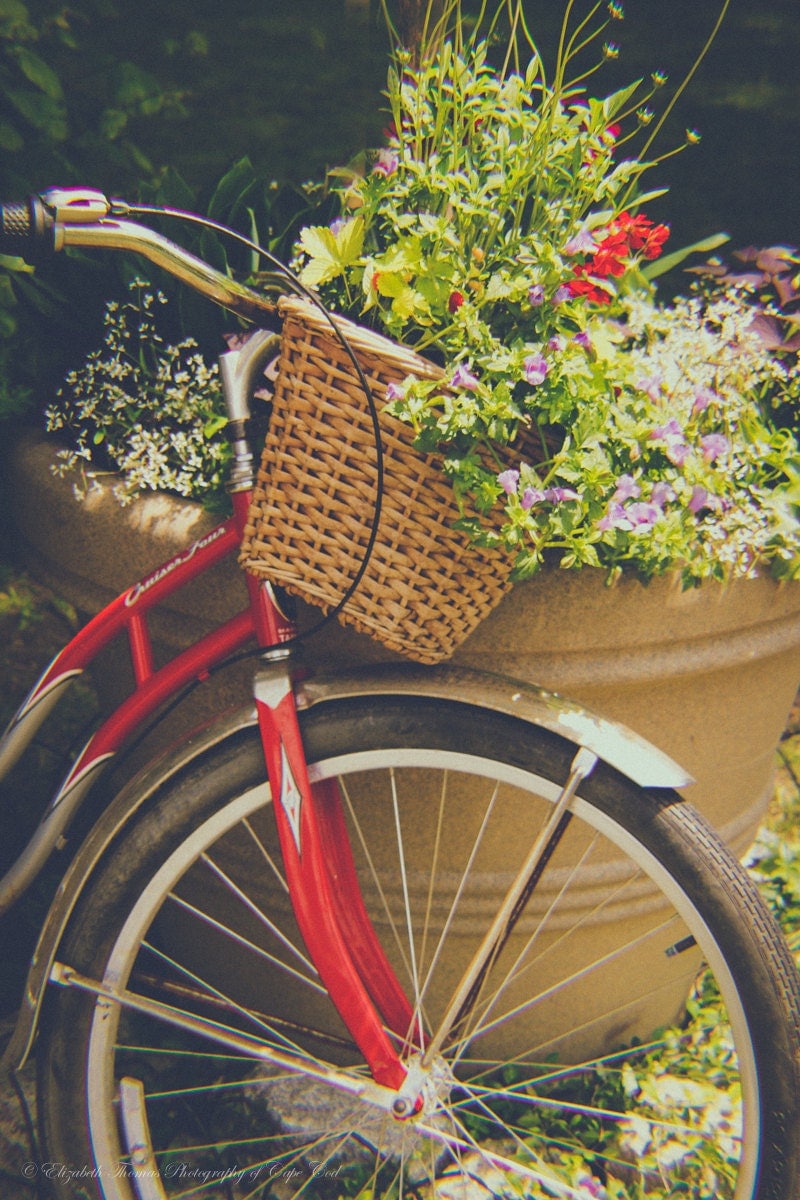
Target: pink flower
point(536, 368)
point(509, 481)
point(643, 515)
point(699, 499)
point(640, 516)
point(463, 378)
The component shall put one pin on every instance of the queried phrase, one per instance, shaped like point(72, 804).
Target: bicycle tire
point(273, 1137)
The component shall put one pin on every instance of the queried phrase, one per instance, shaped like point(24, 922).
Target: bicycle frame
point(309, 821)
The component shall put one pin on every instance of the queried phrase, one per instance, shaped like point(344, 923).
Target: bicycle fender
point(610, 741)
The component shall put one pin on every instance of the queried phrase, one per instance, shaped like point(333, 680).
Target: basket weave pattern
point(426, 586)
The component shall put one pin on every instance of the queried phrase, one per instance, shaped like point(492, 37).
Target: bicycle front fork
point(330, 911)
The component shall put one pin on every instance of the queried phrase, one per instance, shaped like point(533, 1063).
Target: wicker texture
point(426, 586)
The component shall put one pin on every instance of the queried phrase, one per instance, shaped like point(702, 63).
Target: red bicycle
point(354, 939)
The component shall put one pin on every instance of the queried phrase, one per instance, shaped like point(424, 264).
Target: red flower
point(454, 302)
point(592, 289)
point(641, 234)
point(625, 237)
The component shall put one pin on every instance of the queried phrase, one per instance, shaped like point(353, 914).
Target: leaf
point(14, 11)
point(319, 244)
point(12, 263)
point(349, 241)
point(214, 425)
point(112, 123)
point(330, 253)
point(37, 72)
point(10, 138)
point(40, 111)
point(232, 190)
point(612, 104)
point(407, 302)
point(134, 85)
point(662, 265)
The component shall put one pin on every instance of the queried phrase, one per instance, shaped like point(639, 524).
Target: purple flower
point(627, 488)
point(643, 515)
point(561, 294)
point(651, 386)
point(386, 162)
point(463, 378)
point(536, 368)
point(591, 1187)
point(640, 515)
point(508, 481)
point(394, 391)
point(703, 398)
point(557, 495)
point(699, 499)
point(615, 518)
point(536, 295)
point(672, 429)
point(713, 444)
point(337, 225)
point(677, 450)
point(581, 243)
point(661, 494)
point(583, 339)
point(532, 496)
point(555, 343)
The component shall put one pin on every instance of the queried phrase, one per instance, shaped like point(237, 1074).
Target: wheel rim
point(453, 1135)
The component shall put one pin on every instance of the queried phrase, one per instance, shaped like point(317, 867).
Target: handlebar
point(62, 217)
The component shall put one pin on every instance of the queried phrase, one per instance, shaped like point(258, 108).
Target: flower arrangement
point(146, 411)
point(502, 231)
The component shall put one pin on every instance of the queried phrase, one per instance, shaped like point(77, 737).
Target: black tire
point(594, 989)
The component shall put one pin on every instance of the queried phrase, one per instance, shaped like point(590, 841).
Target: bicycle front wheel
point(635, 1036)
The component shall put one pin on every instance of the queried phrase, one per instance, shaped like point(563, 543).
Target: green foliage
point(51, 134)
point(501, 231)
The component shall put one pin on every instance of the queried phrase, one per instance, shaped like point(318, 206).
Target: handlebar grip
point(26, 228)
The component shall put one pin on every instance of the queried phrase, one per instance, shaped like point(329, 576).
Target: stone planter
point(707, 675)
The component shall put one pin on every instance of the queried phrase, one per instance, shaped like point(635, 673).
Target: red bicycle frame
point(319, 870)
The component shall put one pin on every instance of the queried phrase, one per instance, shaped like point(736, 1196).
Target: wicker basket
point(426, 586)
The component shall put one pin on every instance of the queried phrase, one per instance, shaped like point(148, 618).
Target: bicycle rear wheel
point(637, 1034)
